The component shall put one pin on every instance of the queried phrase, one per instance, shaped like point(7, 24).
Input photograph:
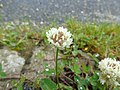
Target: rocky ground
point(15, 66)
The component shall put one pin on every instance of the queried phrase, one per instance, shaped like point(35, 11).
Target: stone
point(41, 57)
point(12, 63)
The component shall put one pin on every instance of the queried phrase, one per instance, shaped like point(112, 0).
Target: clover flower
point(110, 71)
point(60, 37)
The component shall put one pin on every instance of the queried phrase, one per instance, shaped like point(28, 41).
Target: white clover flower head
point(60, 37)
point(110, 71)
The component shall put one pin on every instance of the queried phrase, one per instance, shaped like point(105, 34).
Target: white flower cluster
point(110, 71)
point(60, 37)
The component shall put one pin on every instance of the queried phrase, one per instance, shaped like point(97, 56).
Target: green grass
point(96, 38)
point(89, 37)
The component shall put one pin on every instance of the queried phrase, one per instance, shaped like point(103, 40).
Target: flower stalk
point(56, 67)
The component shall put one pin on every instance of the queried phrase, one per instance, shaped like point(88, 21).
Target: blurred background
point(44, 11)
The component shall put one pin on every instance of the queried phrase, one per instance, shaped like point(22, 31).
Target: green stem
point(56, 68)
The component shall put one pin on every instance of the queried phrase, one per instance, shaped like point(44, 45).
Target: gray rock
point(41, 56)
point(12, 63)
